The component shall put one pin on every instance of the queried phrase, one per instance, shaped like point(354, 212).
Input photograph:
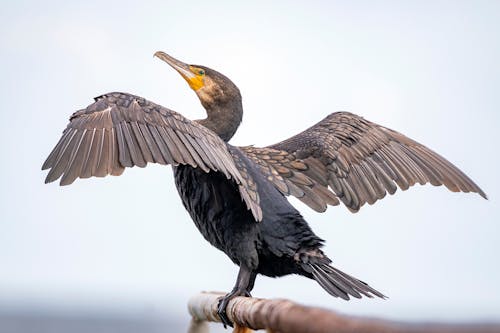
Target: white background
point(428, 69)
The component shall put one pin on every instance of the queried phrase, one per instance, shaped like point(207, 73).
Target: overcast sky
point(428, 69)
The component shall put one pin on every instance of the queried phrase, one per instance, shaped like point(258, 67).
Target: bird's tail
point(340, 284)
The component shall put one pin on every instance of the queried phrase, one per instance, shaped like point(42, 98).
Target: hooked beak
point(179, 66)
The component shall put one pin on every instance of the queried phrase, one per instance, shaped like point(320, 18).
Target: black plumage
point(237, 195)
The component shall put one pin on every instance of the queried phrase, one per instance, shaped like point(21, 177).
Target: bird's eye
point(201, 72)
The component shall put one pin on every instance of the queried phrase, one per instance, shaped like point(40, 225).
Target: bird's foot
point(224, 301)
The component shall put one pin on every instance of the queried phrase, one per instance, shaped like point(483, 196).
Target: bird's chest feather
point(217, 210)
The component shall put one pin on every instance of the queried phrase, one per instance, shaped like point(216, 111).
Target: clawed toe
point(221, 311)
point(224, 301)
point(244, 284)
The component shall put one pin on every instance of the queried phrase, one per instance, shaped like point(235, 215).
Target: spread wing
point(291, 176)
point(359, 161)
point(121, 130)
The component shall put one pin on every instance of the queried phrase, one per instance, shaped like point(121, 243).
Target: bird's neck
point(223, 119)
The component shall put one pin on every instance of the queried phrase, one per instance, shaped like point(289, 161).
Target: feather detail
point(121, 130)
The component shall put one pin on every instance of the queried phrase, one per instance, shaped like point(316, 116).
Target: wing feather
point(64, 156)
point(151, 143)
point(211, 158)
point(101, 168)
point(141, 141)
point(91, 157)
point(165, 152)
point(78, 157)
point(133, 145)
point(196, 151)
point(115, 168)
point(124, 153)
point(121, 130)
point(354, 161)
point(56, 152)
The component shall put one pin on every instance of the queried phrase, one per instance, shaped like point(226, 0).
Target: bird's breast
point(214, 203)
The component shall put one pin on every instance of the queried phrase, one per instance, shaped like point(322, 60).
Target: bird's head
point(219, 96)
point(212, 88)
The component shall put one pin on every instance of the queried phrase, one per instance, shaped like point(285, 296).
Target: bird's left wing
point(121, 130)
point(292, 176)
point(352, 159)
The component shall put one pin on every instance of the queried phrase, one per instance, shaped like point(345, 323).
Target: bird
point(237, 195)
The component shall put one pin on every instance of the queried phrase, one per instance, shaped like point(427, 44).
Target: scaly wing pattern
point(288, 174)
point(358, 160)
point(121, 130)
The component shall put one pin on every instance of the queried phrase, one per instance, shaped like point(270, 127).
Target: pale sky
point(428, 69)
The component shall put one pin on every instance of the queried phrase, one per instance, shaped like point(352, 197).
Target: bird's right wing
point(121, 130)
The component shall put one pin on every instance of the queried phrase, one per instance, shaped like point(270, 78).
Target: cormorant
point(237, 195)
